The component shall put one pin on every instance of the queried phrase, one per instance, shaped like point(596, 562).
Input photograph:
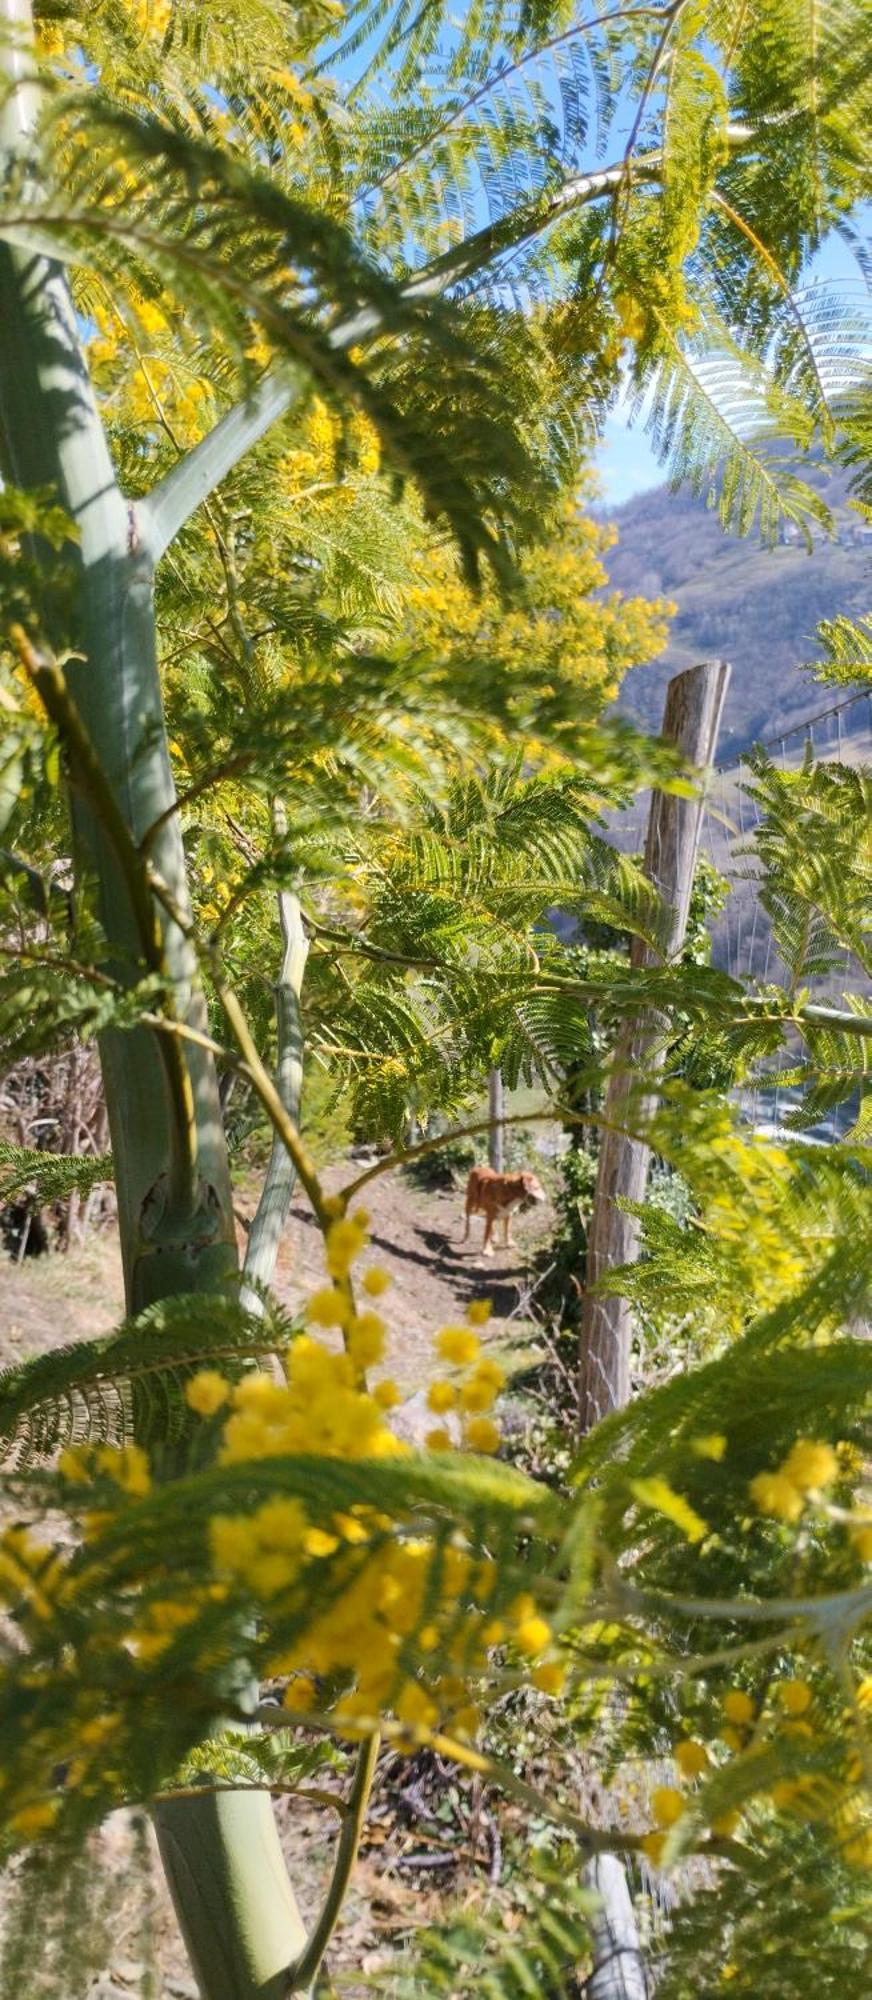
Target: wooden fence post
point(618, 1966)
point(496, 1111)
point(691, 719)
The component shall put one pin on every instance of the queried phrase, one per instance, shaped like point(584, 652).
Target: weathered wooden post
point(618, 1966)
point(496, 1112)
point(691, 720)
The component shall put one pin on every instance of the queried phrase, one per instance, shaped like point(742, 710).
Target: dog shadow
point(464, 1265)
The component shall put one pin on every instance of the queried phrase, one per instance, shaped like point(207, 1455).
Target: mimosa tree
point(200, 233)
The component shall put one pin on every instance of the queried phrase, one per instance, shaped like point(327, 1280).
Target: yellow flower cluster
point(156, 388)
point(808, 1468)
point(472, 1388)
point(265, 1550)
point(34, 1819)
point(31, 1572)
point(396, 1597)
point(366, 1612)
point(49, 39)
point(159, 385)
point(320, 1410)
point(404, 1601)
point(861, 1539)
point(314, 460)
point(813, 1795)
point(843, 1806)
point(105, 343)
point(33, 1802)
point(745, 1209)
point(657, 1494)
point(324, 1405)
point(580, 644)
point(259, 351)
point(346, 1237)
point(151, 17)
point(668, 1804)
point(152, 1635)
point(152, 320)
point(127, 1465)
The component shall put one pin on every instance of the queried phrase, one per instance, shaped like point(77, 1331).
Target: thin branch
point(351, 944)
point(176, 497)
point(210, 778)
point(403, 1154)
point(498, 79)
point(281, 1174)
point(40, 891)
point(458, 1751)
point(301, 1976)
point(670, 17)
point(265, 1089)
point(828, 1017)
point(771, 265)
point(59, 962)
point(836, 1608)
point(685, 1665)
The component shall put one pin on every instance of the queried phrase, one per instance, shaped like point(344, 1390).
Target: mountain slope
point(757, 608)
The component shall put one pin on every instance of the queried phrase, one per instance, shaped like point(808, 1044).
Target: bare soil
point(416, 1238)
point(415, 1235)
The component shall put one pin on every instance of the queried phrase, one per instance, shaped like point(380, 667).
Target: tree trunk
point(694, 703)
point(224, 1864)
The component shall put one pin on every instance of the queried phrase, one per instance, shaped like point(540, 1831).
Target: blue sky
point(625, 462)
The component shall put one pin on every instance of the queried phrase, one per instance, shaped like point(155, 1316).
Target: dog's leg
point(487, 1246)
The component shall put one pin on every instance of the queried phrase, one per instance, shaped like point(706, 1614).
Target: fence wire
point(742, 940)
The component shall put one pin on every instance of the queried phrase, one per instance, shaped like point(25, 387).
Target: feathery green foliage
point(816, 883)
point(848, 652)
point(53, 1176)
point(131, 1382)
point(477, 1954)
point(481, 180)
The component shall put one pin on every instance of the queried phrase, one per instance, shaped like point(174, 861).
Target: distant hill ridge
point(758, 608)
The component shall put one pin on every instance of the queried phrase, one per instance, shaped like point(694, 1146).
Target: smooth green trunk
point(235, 1904)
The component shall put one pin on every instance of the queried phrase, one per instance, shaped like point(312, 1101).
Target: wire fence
point(742, 939)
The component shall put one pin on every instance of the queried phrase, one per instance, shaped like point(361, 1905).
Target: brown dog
point(491, 1194)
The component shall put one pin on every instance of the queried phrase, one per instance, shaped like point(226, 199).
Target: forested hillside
point(756, 607)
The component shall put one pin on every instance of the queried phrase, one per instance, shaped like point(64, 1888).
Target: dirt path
point(48, 1301)
point(415, 1236)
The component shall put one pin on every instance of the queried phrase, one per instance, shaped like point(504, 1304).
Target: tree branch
point(281, 1174)
point(191, 480)
point(176, 497)
point(302, 1975)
